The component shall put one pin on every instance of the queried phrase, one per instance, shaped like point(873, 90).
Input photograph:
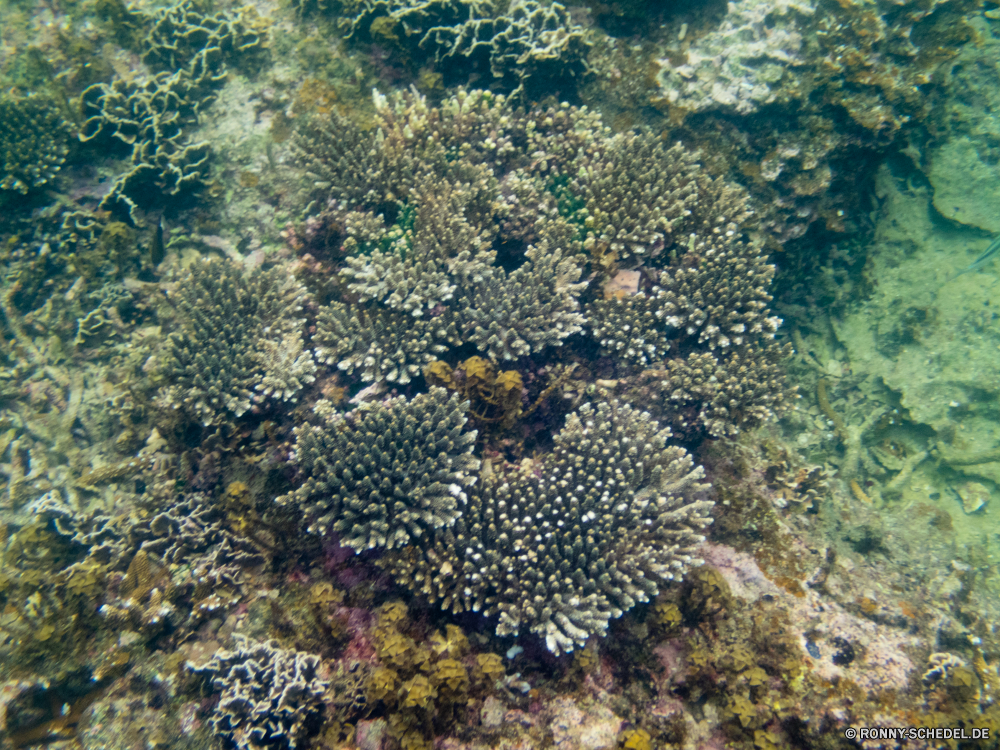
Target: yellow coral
point(381, 684)
point(450, 675)
point(396, 651)
point(637, 739)
point(417, 693)
point(741, 707)
point(490, 667)
point(584, 660)
point(324, 594)
point(667, 615)
point(452, 643)
point(392, 615)
point(757, 676)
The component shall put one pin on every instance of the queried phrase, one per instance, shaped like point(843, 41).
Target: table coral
point(604, 520)
point(431, 254)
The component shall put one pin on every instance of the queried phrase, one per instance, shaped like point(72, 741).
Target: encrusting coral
point(268, 694)
point(558, 550)
point(240, 340)
point(531, 44)
point(151, 115)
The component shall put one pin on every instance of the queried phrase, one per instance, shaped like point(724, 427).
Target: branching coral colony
point(594, 528)
point(433, 207)
point(426, 198)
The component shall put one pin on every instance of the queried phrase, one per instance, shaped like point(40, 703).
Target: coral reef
point(240, 341)
point(735, 80)
point(268, 694)
point(34, 142)
point(706, 319)
point(562, 548)
point(493, 401)
point(531, 45)
point(384, 476)
point(494, 397)
point(424, 245)
point(182, 38)
point(151, 115)
point(422, 202)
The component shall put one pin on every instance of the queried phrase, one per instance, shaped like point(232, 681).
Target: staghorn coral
point(425, 259)
point(629, 328)
point(383, 476)
point(269, 695)
point(721, 394)
point(239, 341)
point(34, 142)
point(561, 548)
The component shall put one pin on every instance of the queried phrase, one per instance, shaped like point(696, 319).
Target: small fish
point(979, 262)
point(156, 248)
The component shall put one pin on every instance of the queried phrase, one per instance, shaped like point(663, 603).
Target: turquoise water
point(466, 375)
